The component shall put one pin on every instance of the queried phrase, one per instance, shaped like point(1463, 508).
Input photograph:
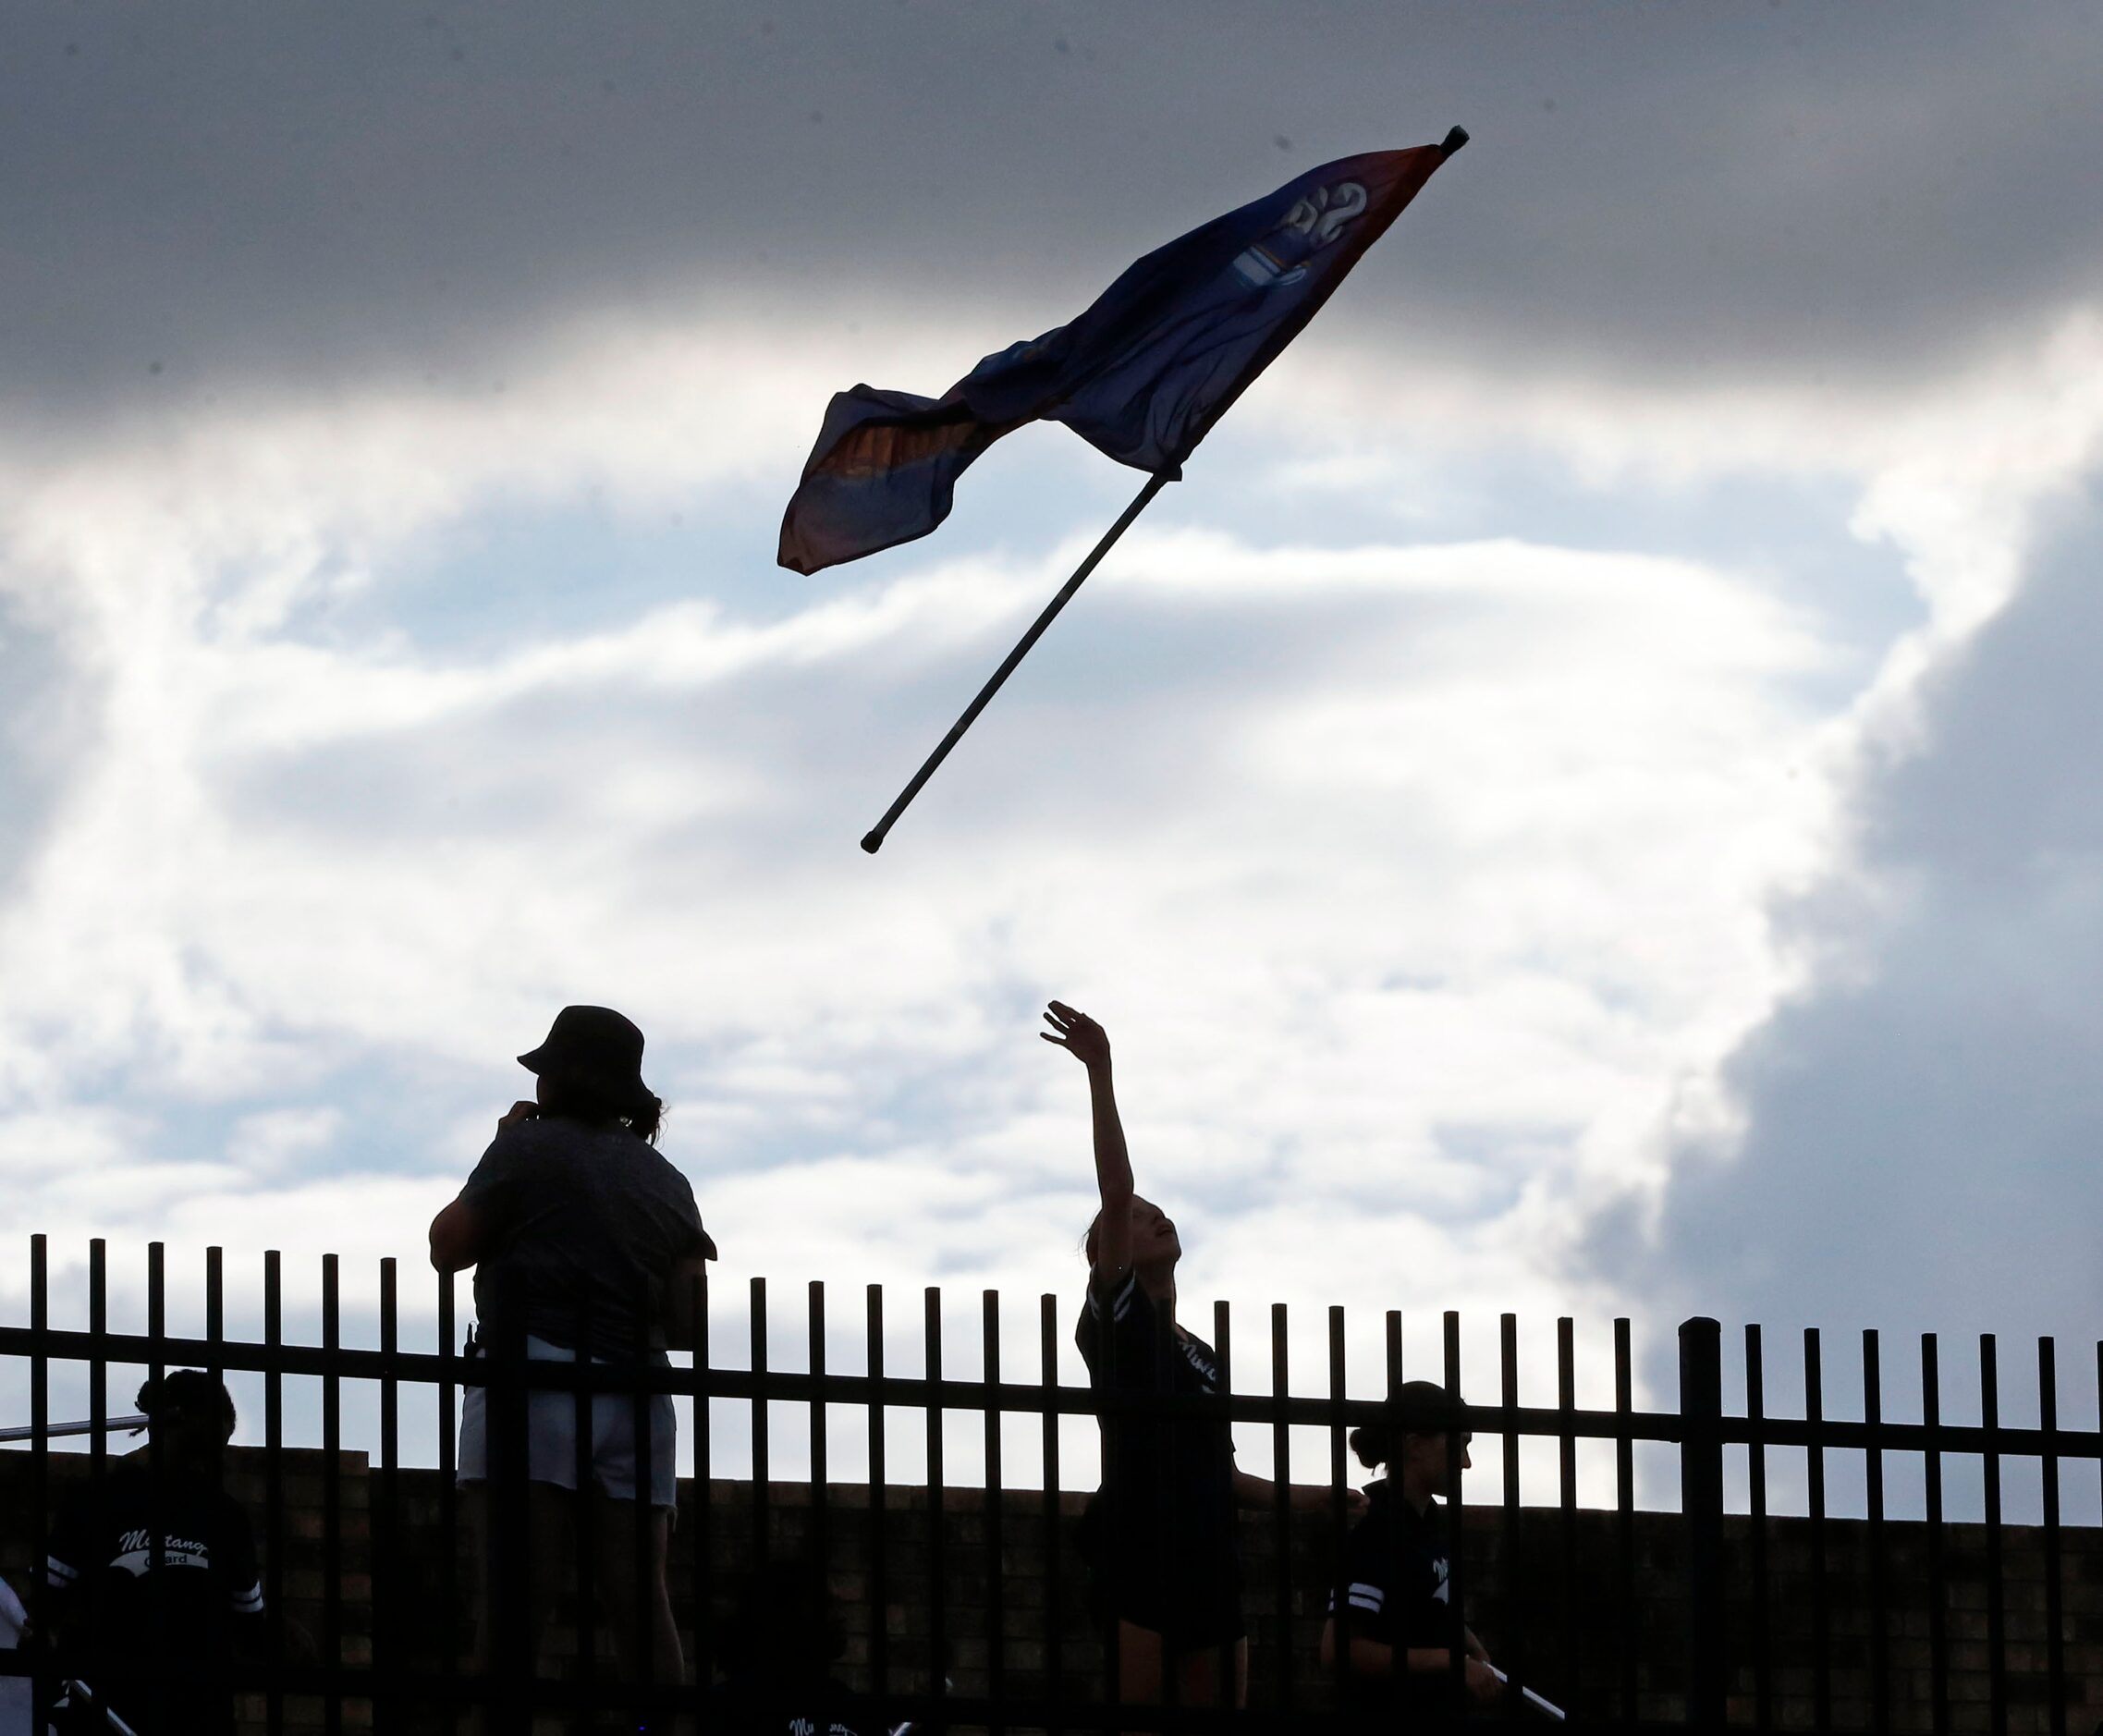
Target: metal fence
point(964, 1603)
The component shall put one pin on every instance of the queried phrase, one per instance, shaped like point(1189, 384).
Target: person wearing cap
point(150, 1583)
point(1392, 1620)
point(584, 1241)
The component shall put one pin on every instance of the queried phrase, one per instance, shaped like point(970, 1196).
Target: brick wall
point(1549, 1596)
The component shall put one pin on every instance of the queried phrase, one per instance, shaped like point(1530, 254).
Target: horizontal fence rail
point(398, 1597)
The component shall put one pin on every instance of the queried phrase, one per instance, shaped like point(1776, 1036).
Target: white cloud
point(1425, 886)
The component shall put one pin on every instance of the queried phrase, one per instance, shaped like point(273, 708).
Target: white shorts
point(551, 1437)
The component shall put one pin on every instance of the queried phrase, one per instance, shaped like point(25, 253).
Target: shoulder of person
point(1120, 1301)
point(521, 1139)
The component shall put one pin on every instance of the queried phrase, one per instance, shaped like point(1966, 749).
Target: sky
point(1578, 804)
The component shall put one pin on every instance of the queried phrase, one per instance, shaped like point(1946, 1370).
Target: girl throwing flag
point(1159, 1535)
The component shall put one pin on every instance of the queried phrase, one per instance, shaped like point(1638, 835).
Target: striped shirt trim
point(1120, 1298)
point(56, 1572)
point(249, 1603)
point(1370, 1598)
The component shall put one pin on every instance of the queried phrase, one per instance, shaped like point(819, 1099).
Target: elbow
point(450, 1242)
point(1329, 1643)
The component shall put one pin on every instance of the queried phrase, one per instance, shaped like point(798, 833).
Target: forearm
point(1113, 1162)
point(1374, 1660)
point(1259, 1494)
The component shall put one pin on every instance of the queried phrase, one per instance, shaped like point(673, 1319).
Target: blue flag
point(1142, 375)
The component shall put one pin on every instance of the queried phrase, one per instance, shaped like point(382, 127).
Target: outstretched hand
point(1077, 1033)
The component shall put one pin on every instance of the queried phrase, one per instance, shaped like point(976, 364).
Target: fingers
point(1059, 1043)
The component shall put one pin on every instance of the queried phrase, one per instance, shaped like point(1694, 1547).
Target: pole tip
point(872, 842)
point(1453, 141)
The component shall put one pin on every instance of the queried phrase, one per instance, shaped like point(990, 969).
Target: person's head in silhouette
point(190, 1419)
point(1413, 1439)
point(590, 1068)
point(785, 1628)
point(1155, 1247)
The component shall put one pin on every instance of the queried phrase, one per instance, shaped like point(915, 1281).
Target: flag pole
point(1155, 484)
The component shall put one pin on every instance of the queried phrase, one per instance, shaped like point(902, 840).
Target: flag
point(1142, 375)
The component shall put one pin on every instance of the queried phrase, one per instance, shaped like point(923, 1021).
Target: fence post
point(1701, 1504)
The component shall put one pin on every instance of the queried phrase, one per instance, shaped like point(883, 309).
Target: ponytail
point(185, 1392)
point(1416, 1407)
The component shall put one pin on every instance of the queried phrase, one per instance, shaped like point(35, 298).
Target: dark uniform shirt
point(1397, 1591)
point(580, 1221)
point(749, 1705)
point(180, 1613)
point(1165, 1518)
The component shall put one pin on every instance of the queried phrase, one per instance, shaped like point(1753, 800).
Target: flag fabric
point(1142, 375)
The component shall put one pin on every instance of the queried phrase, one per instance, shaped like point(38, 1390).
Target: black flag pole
point(1155, 484)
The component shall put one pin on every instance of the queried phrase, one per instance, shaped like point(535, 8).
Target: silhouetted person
point(1165, 1567)
point(777, 1652)
point(153, 1570)
point(573, 1217)
point(1394, 1612)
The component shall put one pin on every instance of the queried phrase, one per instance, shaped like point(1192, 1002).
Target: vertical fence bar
point(1223, 1348)
point(216, 1312)
point(1566, 1660)
point(1396, 1566)
point(1456, 1517)
point(448, 1500)
point(273, 1479)
point(1339, 1581)
point(1701, 1504)
point(703, 1566)
point(1757, 1524)
point(643, 1405)
point(332, 1500)
point(1047, 1362)
point(1512, 1577)
point(155, 1696)
point(1937, 1585)
point(585, 1512)
point(757, 1359)
point(215, 1309)
point(42, 1690)
point(996, 1650)
point(2055, 1640)
point(98, 1358)
point(821, 1469)
point(513, 1692)
point(1281, 1505)
point(879, 1553)
point(389, 1586)
point(1996, 1607)
point(938, 1603)
point(1879, 1603)
point(1814, 1482)
point(1624, 1519)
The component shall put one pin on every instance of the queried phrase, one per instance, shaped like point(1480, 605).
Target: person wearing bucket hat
point(585, 1242)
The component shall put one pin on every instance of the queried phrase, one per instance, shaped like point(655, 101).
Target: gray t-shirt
point(581, 1219)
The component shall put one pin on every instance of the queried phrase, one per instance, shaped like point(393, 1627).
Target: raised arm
point(1087, 1042)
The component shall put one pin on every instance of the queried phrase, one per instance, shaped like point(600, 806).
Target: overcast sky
point(1581, 803)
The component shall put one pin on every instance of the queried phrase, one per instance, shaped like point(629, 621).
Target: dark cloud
point(204, 198)
point(1925, 1127)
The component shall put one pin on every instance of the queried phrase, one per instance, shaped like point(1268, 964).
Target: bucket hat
point(599, 1046)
